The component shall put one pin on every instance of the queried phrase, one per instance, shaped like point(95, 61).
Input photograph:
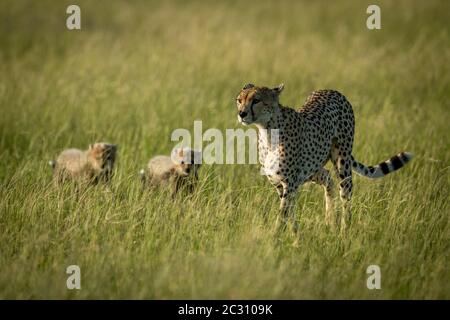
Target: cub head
point(187, 161)
point(102, 156)
point(257, 104)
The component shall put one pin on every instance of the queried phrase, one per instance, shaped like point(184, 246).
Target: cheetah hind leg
point(323, 178)
point(342, 162)
point(345, 193)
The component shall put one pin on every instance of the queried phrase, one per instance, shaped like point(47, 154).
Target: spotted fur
point(322, 130)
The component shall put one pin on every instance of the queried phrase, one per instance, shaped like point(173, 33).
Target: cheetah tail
point(384, 168)
point(142, 175)
point(52, 163)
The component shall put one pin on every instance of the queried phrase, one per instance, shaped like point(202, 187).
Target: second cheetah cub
point(89, 166)
point(178, 171)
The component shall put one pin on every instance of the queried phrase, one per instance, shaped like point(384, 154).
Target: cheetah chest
point(270, 159)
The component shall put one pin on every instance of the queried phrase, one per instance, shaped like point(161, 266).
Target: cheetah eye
point(255, 101)
point(182, 162)
point(239, 101)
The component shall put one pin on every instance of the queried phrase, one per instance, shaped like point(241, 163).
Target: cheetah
point(322, 130)
point(89, 166)
point(177, 171)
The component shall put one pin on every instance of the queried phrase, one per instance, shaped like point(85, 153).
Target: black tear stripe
point(251, 110)
point(396, 162)
point(384, 167)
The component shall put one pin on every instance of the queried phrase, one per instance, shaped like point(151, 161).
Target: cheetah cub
point(322, 130)
point(178, 171)
point(89, 166)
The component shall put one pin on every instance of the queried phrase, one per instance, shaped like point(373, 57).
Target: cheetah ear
point(248, 86)
point(279, 88)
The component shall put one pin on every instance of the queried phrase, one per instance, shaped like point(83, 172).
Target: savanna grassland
point(137, 70)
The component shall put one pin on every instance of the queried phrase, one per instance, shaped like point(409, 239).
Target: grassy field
point(138, 70)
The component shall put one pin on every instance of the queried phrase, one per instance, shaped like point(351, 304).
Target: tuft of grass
point(138, 70)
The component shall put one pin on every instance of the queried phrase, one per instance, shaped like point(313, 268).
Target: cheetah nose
point(242, 114)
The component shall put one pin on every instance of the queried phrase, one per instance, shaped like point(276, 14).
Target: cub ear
point(91, 146)
point(248, 86)
point(279, 88)
point(176, 154)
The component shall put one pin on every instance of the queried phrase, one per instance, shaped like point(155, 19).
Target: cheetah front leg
point(280, 191)
point(287, 208)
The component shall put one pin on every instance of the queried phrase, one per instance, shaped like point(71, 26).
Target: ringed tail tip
point(52, 163)
point(394, 163)
point(408, 155)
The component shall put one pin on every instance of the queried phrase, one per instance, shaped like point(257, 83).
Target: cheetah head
point(102, 156)
point(257, 104)
point(186, 161)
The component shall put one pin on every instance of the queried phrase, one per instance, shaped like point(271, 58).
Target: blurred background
point(137, 70)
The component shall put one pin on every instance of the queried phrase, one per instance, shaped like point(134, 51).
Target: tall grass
point(138, 70)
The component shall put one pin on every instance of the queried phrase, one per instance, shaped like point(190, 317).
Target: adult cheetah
point(321, 130)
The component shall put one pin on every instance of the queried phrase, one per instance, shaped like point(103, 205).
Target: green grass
point(138, 70)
